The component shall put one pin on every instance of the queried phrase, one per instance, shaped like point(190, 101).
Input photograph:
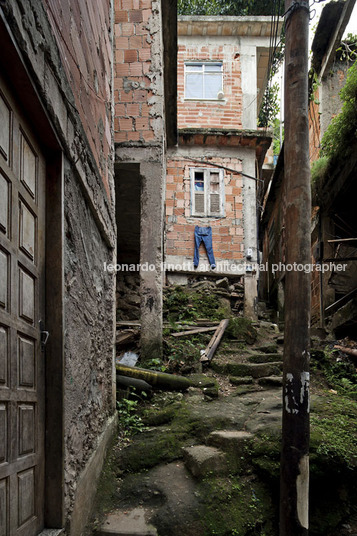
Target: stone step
point(202, 459)
point(264, 358)
point(229, 440)
point(126, 523)
point(271, 381)
point(255, 370)
point(268, 348)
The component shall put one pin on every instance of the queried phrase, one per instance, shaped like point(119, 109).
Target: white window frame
point(207, 213)
point(205, 76)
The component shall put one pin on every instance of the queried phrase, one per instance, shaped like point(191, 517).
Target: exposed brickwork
point(314, 127)
point(225, 113)
point(227, 237)
point(82, 31)
point(138, 72)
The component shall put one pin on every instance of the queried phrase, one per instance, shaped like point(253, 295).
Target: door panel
point(22, 225)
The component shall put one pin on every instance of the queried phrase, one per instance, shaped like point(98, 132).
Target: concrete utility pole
point(294, 489)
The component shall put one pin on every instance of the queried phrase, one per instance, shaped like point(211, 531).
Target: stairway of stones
point(237, 395)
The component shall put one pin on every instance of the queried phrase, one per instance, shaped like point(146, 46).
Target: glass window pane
point(194, 86)
point(199, 181)
point(213, 67)
point(194, 67)
point(213, 84)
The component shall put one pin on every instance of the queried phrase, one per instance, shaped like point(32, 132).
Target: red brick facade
point(224, 113)
point(134, 88)
point(82, 32)
point(227, 232)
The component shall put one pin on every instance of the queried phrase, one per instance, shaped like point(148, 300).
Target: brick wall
point(180, 225)
point(138, 72)
point(225, 113)
point(82, 31)
point(314, 127)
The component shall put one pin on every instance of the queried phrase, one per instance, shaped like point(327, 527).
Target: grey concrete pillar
point(151, 245)
point(250, 236)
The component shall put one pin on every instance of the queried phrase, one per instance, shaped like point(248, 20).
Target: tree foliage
point(229, 7)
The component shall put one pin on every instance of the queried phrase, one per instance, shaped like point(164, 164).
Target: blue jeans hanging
point(203, 234)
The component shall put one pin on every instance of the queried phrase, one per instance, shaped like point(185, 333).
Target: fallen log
point(349, 351)
point(194, 331)
point(214, 342)
point(160, 380)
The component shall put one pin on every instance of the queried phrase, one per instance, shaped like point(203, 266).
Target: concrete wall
point(66, 50)
point(88, 342)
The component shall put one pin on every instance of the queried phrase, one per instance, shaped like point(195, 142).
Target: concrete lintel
point(126, 154)
point(229, 25)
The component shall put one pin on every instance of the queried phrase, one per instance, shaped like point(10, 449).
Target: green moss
point(236, 506)
point(333, 425)
point(264, 454)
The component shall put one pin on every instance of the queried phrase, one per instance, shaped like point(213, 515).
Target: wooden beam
point(342, 240)
point(194, 331)
point(214, 342)
point(342, 301)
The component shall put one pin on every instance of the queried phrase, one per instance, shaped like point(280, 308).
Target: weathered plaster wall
point(89, 335)
point(330, 102)
point(73, 83)
point(225, 113)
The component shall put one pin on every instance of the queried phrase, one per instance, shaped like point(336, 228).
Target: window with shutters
point(203, 80)
point(207, 192)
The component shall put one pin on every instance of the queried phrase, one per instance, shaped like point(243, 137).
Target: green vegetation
point(337, 371)
point(228, 7)
point(339, 138)
point(319, 168)
point(130, 423)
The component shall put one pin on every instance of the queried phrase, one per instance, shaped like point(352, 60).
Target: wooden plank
point(133, 323)
point(126, 336)
point(214, 342)
point(342, 301)
point(342, 240)
point(194, 331)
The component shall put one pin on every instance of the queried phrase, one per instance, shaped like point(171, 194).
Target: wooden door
point(22, 243)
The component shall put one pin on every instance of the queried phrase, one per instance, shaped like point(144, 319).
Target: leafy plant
point(130, 422)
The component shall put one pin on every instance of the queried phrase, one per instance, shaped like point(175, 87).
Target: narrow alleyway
point(207, 460)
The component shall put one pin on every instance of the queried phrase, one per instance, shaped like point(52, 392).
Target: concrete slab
point(127, 523)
